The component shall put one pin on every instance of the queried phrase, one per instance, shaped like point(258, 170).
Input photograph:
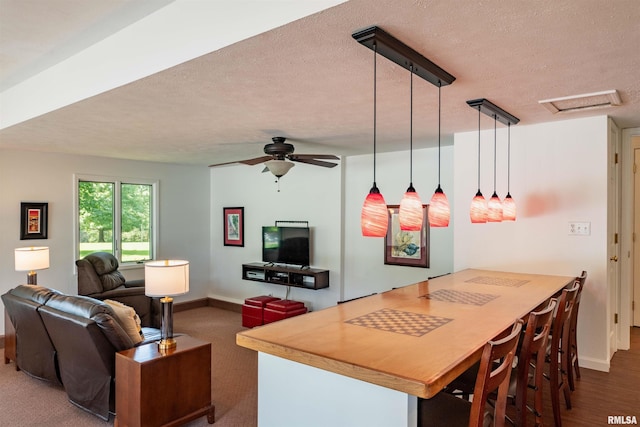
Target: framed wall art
point(407, 248)
point(33, 220)
point(233, 226)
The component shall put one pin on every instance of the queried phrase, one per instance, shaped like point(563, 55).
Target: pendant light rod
point(439, 115)
point(491, 110)
point(508, 157)
point(478, 149)
point(374, 111)
point(495, 151)
point(411, 128)
point(398, 52)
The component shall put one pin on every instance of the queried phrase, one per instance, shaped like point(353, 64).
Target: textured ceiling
point(311, 82)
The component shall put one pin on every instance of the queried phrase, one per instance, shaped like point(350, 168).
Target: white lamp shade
point(279, 167)
point(166, 278)
point(32, 258)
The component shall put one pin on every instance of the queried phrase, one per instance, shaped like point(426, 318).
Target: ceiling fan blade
point(314, 156)
point(314, 162)
point(255, 161)
point(249, 162)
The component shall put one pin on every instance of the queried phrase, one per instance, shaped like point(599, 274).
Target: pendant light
point(374, 218)
point(494, 205)
point(508, 204)
point(479, 208)
point(410, 212)
point(439, 211)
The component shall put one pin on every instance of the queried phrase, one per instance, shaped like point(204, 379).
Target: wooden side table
point(9, 341)
point(170, 388)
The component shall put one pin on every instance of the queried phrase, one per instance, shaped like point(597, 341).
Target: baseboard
point(207, 302)
point(595, 364)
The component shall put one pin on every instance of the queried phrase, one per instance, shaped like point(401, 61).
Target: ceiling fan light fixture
point(278, 167)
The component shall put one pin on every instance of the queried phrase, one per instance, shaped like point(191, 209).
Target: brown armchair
point(98, 277)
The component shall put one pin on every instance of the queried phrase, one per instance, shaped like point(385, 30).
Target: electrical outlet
point(579, 228)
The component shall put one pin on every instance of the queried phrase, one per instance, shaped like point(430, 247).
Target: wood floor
point(599, 395)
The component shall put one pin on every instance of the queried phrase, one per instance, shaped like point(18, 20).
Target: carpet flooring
point(26, 401)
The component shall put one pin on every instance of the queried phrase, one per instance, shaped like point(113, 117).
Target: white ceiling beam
point(181, 31)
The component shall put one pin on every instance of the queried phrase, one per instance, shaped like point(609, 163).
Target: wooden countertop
point(414, 339)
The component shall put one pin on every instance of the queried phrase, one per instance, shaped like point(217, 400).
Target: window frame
point(117, 181)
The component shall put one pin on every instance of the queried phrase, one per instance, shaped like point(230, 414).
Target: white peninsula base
point(291, 394)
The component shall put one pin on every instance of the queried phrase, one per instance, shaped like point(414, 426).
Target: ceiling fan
point(278, 152)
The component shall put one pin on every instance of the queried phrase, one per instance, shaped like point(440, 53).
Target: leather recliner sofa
point(99, 278)
point(71, 340)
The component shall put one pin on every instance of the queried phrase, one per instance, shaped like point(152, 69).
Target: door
point(636, 230)
point(613, 234)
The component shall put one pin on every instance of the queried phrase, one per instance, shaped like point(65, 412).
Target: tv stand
point(299, 277)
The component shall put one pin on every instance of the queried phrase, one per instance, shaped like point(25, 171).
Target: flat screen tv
point(285, 245)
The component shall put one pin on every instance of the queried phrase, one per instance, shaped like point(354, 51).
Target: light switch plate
point(579, 228)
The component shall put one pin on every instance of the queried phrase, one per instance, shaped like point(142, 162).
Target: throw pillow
point(128, 319)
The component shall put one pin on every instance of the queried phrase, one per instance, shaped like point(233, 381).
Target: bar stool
point(558, 351)
point(446, 410)
point(532, 358)
point(573, 339)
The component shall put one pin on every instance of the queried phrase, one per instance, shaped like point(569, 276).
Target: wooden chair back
point(559, 351)
point(495, 376)
point(533, 346)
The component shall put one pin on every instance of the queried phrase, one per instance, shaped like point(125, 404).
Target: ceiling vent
point(587, 101)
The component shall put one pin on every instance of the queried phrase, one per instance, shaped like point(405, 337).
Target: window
point(116, 216)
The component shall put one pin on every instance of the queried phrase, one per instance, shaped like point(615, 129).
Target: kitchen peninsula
point(366, 361)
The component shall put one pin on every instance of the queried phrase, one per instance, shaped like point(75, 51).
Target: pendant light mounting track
point(398, 52)
point(493, 111)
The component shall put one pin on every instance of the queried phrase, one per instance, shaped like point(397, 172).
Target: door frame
point(626, 243)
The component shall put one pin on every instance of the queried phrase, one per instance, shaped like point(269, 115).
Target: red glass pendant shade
point(439, 211)
point(494, 209)
point(410, 213)
point(479, 209)
point(374, 219)
point(508, 208)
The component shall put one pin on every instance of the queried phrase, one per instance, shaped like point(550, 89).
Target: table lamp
point(31, 259)
point(165, 279)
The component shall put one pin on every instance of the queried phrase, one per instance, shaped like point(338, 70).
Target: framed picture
point(408, 248)
point(33, 220)
point(233, 226)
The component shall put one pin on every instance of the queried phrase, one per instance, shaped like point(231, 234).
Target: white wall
point(558, 174)
point(45, 177)
point(307, 193)
point(365, 271)
point(315, 195)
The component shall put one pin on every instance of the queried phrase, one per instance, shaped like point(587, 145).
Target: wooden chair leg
point(555, 393)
